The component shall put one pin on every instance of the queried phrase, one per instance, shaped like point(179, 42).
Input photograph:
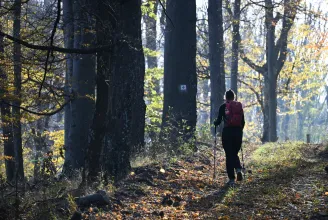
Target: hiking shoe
point(239, 176)
point(231, 183)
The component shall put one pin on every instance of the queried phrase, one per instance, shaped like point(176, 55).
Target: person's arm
point(220, 116)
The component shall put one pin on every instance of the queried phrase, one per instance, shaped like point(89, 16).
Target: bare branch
point(250, 63)
point(55, 48)
point(51, 44)
point(257, 94)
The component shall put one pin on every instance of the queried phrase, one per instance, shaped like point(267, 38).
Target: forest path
point(288, 181)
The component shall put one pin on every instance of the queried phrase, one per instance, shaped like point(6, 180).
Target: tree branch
point(290, 10)
point(38, 113)
point(55, 48)
point(51, 44)
point(250, 63)
point(257, 94)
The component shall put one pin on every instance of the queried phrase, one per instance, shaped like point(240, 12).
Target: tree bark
point(235, 46)
point(105, 27)
point(126, 91)
point(68, 21)
point(271, 73)
point(7, 132)
point(17, 127)
point(83, 87)
point(180, 78)
point(216, 56)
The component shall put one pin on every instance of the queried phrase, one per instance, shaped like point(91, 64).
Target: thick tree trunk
point(216, 56)
point(126, 104)
point(68, 21)
point(7, 131)
point(105, 27)
point(235, 46)
point(83, 87)
point(180, 78)
point(17, 127)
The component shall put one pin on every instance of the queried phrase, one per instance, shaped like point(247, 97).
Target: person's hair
point(230, 95)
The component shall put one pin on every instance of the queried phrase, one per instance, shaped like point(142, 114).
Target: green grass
point(277, 154)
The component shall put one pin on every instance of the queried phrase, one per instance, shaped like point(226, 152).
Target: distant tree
point(276, 53)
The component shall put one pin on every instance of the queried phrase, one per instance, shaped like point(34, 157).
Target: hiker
point(232, 115)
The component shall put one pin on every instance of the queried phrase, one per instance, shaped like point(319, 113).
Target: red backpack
point(234, 114)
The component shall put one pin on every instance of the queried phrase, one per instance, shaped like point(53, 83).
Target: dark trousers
point(231, 141)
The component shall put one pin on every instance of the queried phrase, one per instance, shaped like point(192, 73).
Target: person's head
point(229, 95)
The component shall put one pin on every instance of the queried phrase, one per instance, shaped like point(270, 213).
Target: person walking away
point(232, 115)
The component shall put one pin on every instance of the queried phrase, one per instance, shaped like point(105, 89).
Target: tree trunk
point(17, 127)
point(151, 36)
point(126, 91)
point(271, 73)
point(105, 27)
point(216, 56)
point(180, 78)
point(83, 87)
point(265, 135)
point(235, 46)
point(68, 21)
point(39, 144)
point(7, 131)
point(152, 61)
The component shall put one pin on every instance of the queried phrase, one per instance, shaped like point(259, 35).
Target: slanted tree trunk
point(68, 21)
point(126, 91)
point(17, 127)
point(6, 116)
point(180, 78)
point(83, 87)
point(216, 56)
point(235, 46)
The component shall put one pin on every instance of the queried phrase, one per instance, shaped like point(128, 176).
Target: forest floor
point(283, 181)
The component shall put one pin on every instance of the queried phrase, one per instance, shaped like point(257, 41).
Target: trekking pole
point(242, 158)
point(214, 171)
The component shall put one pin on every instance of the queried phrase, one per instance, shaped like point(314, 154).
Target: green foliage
point(273, 154)
point(153, 100)
point(147, 8)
